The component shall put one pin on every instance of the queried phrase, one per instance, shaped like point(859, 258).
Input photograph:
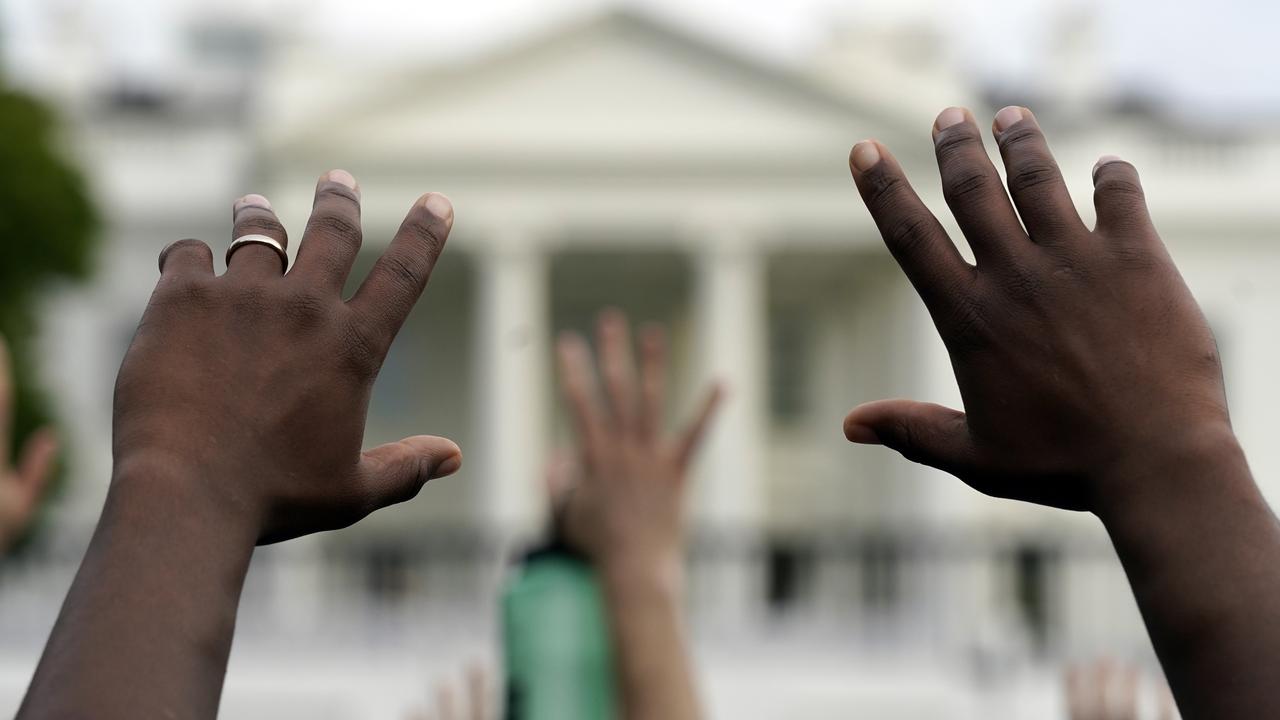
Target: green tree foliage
point(48, 230)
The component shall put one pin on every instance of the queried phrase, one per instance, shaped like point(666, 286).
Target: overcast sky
point(1214, 59)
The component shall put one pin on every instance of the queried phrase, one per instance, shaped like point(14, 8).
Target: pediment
point(619, 91)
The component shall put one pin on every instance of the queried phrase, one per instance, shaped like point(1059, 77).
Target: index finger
point(398, 278)
point(914, 236)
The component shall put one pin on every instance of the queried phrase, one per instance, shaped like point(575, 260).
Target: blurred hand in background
point(626, 508)
point(478, 703)
point(21, 484)
point(1109, 690)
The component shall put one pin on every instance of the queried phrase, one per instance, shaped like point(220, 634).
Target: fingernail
point(865, 155)
point(1010, 116)
point(947, 118)
point(252, 200)
point(1104, 160)
point(439, 206)
point(450, 466)
point(861, 434)
point(342, 177)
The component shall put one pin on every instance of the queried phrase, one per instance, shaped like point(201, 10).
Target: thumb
point(395, 472)
point(925, 433)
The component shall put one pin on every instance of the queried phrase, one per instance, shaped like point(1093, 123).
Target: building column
point(512, 384)
point(731, 329)
point(958, 581)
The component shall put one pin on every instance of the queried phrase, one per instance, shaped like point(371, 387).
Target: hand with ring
point(239, 418)
point(250, 389)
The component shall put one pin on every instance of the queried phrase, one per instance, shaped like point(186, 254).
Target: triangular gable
point(620, 90)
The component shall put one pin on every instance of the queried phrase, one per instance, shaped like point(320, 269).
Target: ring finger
point(258, 240)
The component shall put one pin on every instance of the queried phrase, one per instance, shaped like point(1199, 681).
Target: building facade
point(622, 162)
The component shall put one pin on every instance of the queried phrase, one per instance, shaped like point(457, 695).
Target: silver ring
point(259, 240)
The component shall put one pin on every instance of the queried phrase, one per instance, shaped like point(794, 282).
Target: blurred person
point(625, 507)
point(21, 485)
point(239, 415)
point(1108, 690)
point(478, 704)
point(556, 657)
point(1091, 381)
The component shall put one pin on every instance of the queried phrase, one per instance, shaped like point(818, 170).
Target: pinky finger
point(693, 435)
point(1118, 198)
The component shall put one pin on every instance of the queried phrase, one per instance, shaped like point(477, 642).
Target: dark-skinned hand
point(1078, 351)
point(254, 385)
point(1090, 381)
point(239, 418)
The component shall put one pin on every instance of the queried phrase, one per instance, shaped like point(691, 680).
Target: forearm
point(147, 625)
point(1199, 545)
point(655, 674)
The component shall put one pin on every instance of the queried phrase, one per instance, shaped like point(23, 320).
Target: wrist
point(1204, 465)
point(165, 495)
point(643, 575)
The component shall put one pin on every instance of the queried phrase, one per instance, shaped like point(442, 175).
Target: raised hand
point(1090, 381)
point(251, 388)
point(21, 486)
point(1108, 690)
point(239, 417)
point(626, 508)
point(477, 705)
point(1079, 353)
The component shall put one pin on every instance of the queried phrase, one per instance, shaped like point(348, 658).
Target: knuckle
point(338, 193)
point(1022, 285)
point(1027, 175)
point(185, 245)
point(337, 224)
point(305, 309)
point(420, 473)
point(252, 299)
point(903, 430)
point(908, 233)
point(882, 188)
point(186, 293)
point(966, 183)
point(953, 142)
point(1133, 257)
point(260, 224)
point(404, 273)
point(1019, 136)
point(1210, 356)
point(1116, 188)
point(427, 234)
point(359, 352)
point(966, 327)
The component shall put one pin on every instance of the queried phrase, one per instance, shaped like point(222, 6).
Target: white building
point(618, 161)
